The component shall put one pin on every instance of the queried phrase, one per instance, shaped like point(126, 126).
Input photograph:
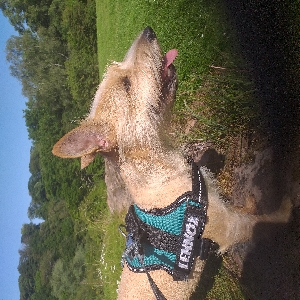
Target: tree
point(66, 277)
point(32, 13)
point(28, 263)
point(55, 58)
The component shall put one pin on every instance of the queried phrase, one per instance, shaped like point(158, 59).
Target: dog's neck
point(155, 179)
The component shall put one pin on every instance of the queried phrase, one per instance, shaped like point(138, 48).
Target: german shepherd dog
point(127, 124)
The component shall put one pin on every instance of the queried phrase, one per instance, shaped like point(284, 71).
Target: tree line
point(54, 56)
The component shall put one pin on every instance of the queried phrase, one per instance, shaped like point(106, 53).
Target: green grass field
point(202, 35)
point(212, 89)
point(189, 28)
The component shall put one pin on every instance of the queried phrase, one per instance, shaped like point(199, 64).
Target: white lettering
point(190, 229)
point(187, 244)
point(194, 220)
point(184, 257)
point(183, 266)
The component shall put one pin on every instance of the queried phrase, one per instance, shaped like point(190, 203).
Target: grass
point(105, 245)
point(190, 28)
point(213, 79)
point(213, 90)
point(225, 287)
point(112, 249)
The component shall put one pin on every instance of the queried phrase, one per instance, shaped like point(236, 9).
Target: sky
point(14, 166)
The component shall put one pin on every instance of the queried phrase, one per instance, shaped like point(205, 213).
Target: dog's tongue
point(169, 57)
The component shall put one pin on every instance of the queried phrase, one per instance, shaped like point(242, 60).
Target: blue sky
point(14, 175)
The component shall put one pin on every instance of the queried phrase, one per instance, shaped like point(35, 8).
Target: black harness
point(169, 238)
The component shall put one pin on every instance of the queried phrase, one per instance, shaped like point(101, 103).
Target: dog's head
point(130, 107)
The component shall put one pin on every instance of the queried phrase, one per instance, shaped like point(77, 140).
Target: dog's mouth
point(168, 72)
point(168, 76)
point(168, 59)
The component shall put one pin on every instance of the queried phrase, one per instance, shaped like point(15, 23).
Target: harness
point(168, 238)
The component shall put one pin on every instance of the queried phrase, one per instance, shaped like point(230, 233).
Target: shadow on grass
point(269, 39)
point(211, 269)
point(268, 36)
point(271, 268)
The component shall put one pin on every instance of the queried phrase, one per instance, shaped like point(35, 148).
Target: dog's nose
point(149, 34)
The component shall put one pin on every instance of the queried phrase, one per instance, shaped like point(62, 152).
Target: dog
point(127, 124)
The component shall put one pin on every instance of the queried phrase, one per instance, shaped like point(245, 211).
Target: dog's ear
point(87, 159)
point(84, 141)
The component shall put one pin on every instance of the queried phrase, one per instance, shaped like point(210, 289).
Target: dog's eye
point(126, 83)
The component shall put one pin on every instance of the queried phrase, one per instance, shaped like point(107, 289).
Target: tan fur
point(127, 125)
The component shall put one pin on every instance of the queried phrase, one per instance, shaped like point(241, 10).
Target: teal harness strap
point(168, 238)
